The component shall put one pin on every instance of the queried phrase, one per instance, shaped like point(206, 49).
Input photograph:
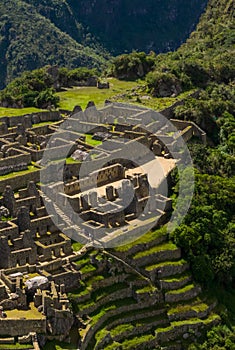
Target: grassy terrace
point(30, 169)
point(180, 308)
point(176, 278)
point(90, 141)
point(32, 313)
point(11, 112)
point(166, 263)
point(192, 321)
point(15, 346)
point(148, 237)
point(156, 249)
point(120, 91)
point(182, 290)
point(82, 95)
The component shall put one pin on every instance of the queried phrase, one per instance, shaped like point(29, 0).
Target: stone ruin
point(32, 247)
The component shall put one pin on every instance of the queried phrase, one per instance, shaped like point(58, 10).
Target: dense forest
point(34, 33)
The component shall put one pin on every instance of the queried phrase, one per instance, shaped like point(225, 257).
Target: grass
point(121, 329)
point(182, 290)
point(87, 268)
point(176, 278)
point(12, 112)
point(184, 308)
point(147, 289)
point(155, 249)
point(32, 313)
point(15, 346)
point(120, 91)
point(84, 260)
point(77, 246)
point(148, 237)
point(131, 343)
point(166, 263)
point(44, 123)
point(90, 141)
point(82, 95)
point(30, 169)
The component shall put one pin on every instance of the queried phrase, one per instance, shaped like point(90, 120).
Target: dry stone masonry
point(38, 266)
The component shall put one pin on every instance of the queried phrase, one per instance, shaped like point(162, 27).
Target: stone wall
point(22, 327)
point(20, 181)
point(177, 297)
point(196, 130)
point(35, 118)
point(17, 162)
point(157, 256)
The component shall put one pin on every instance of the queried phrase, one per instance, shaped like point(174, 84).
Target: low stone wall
point(189, 314)
point(20, 327)
point(196, 130)
point(123, 294)
point(176, 297)
point(109, 315)
point(20, 181)
point(168, 270)
point(7, 340)
point(15, 163)
point(35, 118)
point(176, 332)
point(157, 257)
point(175, 284)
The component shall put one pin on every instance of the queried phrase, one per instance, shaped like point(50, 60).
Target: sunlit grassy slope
point(120, 91)
point(10, 112)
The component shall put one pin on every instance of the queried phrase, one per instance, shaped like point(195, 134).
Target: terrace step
point(186, 311)
point(156, 254)
point(165, 269)
point(178, 329)
point(174, 282)
point(186, 293)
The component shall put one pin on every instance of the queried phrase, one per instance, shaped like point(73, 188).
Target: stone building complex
point(47, 190)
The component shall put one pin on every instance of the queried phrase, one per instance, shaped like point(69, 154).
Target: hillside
point(124, 25)
point(29, 40)
point(71, 33)
point(163, 288)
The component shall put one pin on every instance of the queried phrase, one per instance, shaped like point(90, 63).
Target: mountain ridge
point(68, 33)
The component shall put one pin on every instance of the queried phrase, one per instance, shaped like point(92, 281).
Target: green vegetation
point(148, 237)
point(11, 112)
point(220, 337)
point(30, 169)
point(156, 249)
point(15, 346)
point(36, 88)
point(165, 263)
point(82, 95)
point(35, 33)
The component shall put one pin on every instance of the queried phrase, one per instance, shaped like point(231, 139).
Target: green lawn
point(82, 95)
point(120, 91)
point(32, 313)
point(11, 112)
point(30, 169)
point(148, 237)
point(90, 141)
point(155, 249)
point(15, 346)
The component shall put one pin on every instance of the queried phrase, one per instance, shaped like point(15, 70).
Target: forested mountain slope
point(74, 33)
point(29, 40)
